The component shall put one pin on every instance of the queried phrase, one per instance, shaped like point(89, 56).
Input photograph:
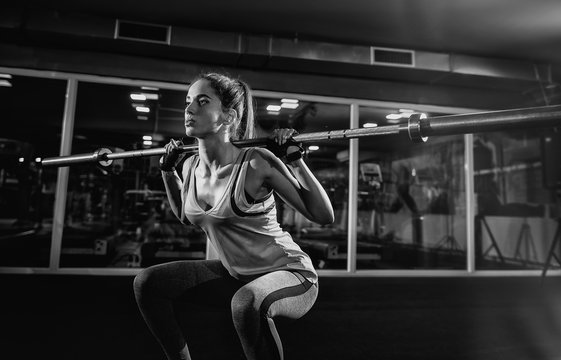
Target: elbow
point(324, 222)
point(326, 218)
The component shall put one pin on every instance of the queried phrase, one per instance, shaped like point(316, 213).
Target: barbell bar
point(419, 128)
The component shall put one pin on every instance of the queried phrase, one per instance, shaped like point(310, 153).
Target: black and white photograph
point(280, 180)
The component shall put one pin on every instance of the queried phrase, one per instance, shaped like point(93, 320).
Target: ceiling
point(486, 54)
point(514, 29)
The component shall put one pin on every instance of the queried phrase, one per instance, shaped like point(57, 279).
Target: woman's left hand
point(284, 142)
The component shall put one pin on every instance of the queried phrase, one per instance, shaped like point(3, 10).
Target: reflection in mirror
point(118, 216)
point(411, 199)
point(32, 114)
point(516, 182)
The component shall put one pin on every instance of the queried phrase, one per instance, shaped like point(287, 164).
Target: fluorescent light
point(406, 111)
point(142, 109)
point(287, 105)
point(138, 97)
point(5, 76)
point(147, 142)
point(143, 96)
point(38, 160)
point(393, 116)
point(273, 113)
point(273, 107)
point(5, 83)
point(290, 101)
point(140, 117)
point(147, 137)
point(369, 125)
point(21, 159)
point(151, 96)
point(313, 147)
point(149, 88)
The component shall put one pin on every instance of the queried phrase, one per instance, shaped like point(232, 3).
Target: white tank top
point(247, 237)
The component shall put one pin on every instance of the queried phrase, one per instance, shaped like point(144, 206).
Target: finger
point(281, 138)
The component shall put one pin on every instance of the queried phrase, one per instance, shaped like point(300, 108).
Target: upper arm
point(274, 175)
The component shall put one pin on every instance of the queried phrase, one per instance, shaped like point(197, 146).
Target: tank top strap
point(238, 197)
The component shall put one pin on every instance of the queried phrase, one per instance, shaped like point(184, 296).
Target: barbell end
point(415, 125)
point(101, 156)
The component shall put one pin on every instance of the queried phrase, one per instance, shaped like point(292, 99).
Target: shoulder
point(262, 156)
point(262, 160)
point(188, 164)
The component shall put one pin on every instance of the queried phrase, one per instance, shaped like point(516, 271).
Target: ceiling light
point(147, 142)
point(143, 96)
point(21, 159)
point(151, 96)
point(149, 88)
point(5, 83)
point(38, 160)
point(406, 111)
point(138, 97)
point(313, 147)
point(147, 137)
point(273, 107)
point(369, 125)
point(142, 109)
point(393, 116)
point(273, 113)
point(5, 76)
point(289, 101)
point(140, 117)
point(287, 105)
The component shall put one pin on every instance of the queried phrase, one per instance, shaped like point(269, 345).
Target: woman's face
point(203, 111)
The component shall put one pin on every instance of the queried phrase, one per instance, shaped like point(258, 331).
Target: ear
point(231, 116)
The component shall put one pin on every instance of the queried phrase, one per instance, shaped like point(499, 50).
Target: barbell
point(419, 128)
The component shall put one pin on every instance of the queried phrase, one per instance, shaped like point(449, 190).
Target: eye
point(203, 101)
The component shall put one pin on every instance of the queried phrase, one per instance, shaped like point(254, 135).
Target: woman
point(228, 191)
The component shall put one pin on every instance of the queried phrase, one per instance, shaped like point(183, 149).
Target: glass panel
point(516, 178)
point(118, 216)
point(411, 201)
point(328, 160)
point(32, 113)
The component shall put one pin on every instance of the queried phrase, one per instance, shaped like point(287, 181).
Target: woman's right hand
point(171, 157)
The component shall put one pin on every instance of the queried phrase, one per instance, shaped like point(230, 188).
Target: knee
point(143, 282)
point(244, 305)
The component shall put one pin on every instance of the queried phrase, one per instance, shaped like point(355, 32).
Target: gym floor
point(476, 318)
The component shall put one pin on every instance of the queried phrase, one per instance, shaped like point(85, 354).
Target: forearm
point(173, 185)
point(315, 198)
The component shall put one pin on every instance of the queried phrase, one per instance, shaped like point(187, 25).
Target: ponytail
point(246, 127)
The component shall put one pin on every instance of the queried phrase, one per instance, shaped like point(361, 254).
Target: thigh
point(282, 293)
point(198, 281)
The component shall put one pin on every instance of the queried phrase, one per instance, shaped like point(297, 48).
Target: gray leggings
point(254, 304)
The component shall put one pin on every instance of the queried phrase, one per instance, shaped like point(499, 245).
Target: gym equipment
point(418, 128)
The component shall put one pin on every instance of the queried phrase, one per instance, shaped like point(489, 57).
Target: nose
point(189, 108)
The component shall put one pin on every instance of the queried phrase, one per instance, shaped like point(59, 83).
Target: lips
point(189, 122)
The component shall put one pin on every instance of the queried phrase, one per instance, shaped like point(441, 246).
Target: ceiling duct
point(153, 33)
point(392, 57)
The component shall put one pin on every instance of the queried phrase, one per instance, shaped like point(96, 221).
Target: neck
point(216, 152)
